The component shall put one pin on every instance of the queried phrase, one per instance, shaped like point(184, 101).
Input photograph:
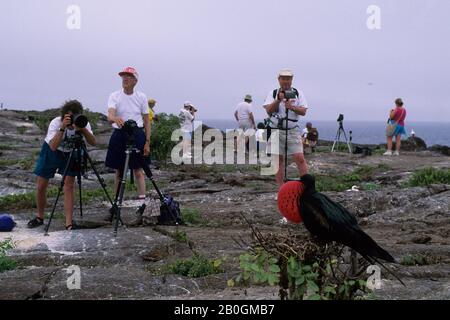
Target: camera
point(80, 120)
point(130, 126)
point(289, 94)
point(340, 118)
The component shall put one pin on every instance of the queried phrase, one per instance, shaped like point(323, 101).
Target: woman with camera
point(54, 156)
point(395, 128)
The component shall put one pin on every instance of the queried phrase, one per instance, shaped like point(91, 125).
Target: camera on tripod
point(80, 120)
point(340, 118)
point(129, 127)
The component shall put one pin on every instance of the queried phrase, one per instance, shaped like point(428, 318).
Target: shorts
point(294, 142)
point(245, 124)
point(187, 135)
point(399, 130)
point(51, 161)
point(115, 158)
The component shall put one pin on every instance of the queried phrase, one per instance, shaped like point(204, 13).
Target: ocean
point(364, 132)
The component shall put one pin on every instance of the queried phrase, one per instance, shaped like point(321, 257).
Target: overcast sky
point(213, 52)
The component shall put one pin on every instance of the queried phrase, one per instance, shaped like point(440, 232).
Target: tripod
point(338, 138)
point(77, 160)
point(116, 208)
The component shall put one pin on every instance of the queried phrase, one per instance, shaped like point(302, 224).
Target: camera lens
point(79, 120)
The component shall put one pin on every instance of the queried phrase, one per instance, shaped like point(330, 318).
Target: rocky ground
point(406, 221)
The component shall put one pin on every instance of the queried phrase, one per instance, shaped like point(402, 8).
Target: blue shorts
point(399, 130)
point(51, 161)
point(115, 158)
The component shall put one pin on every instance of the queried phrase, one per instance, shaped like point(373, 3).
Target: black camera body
point(289, 94)
point(80, 120)
point(129, 127)
point(340, 118)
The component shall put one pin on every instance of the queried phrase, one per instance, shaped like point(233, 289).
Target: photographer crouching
point(54, 156)
point(124, 105)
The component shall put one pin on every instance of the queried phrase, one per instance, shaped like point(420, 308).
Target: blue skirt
point(115, 158)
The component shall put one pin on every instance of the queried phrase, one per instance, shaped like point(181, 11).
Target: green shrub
point(414, 260)
point(196, 266)
point(427, 176)
point(161, 144)
point(191, 216)
point(6, 263)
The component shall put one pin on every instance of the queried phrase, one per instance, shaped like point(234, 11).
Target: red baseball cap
point(129, 70)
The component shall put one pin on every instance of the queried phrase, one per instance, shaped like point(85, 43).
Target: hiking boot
point(388, 153)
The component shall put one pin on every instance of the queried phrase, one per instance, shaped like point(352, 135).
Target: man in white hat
point(278, 101)
point(128, 104)
point(244, 117)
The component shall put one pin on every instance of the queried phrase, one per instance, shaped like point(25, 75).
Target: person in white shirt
point(123, 105)
point(187, 116)
point(245, 119)
point(276, 105)
point(53, 157)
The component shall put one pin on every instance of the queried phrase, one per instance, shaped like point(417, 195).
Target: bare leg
point(140, 179)
point(41, 196)
point(280, 173)
point(301, 163)
point(68, 198)
point(398, 142)
point(389, 143)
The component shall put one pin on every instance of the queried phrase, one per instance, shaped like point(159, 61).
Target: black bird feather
point(330, 221)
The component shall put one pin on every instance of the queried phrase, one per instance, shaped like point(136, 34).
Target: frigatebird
point(330, 221)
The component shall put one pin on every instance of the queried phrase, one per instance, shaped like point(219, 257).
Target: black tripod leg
point(119, 196)
point(61, 186)
point(99, 178)
point(79, 193)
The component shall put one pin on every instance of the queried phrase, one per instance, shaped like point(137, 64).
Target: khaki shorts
point(294, 142)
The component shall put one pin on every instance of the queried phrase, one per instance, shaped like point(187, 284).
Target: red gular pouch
point(288, 200)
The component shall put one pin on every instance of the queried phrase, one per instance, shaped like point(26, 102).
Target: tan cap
point(286, 73)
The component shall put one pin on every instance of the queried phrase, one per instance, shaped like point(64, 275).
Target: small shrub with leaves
point(302, 268)
point(427, 176)
point(6, 263)
point(197, 266)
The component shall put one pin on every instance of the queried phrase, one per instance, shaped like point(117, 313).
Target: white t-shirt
point(186, 119)
point(53, 129)
point(128, 107)
point(300, 101)
point(244, 109)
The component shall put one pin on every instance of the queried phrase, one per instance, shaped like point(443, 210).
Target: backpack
point(313, 135)
point(6, 223)
point(170, 212)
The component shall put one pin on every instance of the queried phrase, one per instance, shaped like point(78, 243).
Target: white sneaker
point(396, 153)
point(388, 153)
point(283, 221)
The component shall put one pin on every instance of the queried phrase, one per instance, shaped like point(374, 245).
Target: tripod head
point(79, 159)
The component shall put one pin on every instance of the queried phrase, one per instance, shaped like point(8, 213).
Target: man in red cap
point(123, 105)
